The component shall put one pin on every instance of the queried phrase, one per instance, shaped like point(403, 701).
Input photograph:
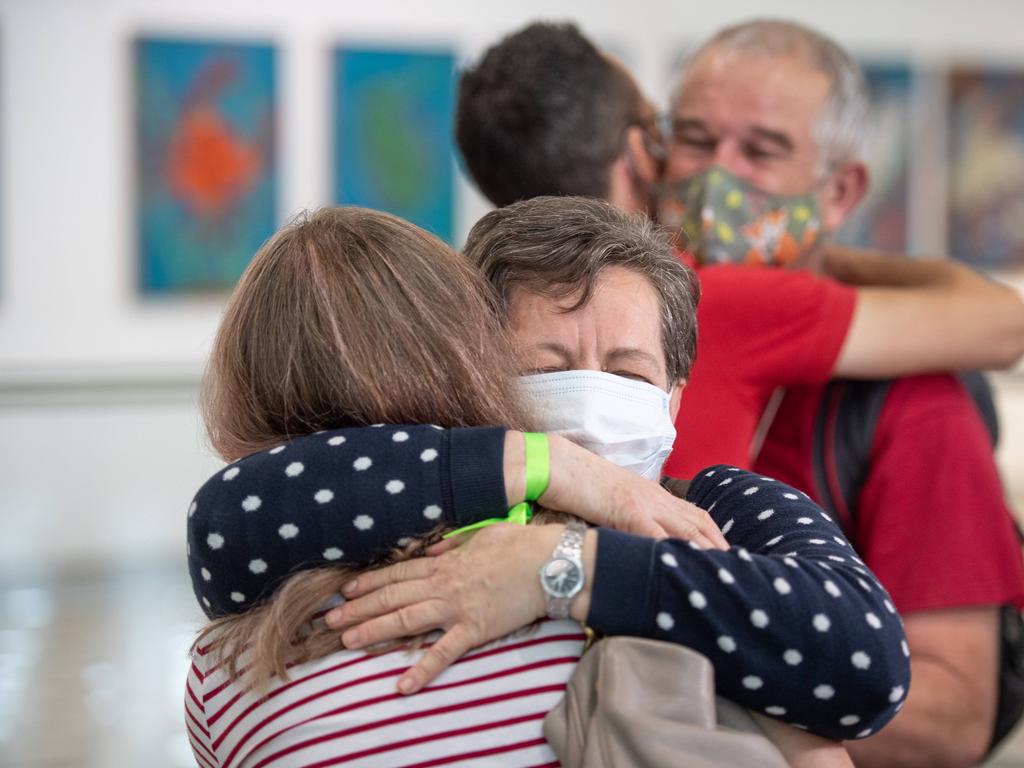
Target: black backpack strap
point(821, 451)
point(844, 430)
point(1010, 702)
point(980, 390)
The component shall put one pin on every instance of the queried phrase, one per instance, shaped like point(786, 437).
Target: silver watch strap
point(570, 547)
point(558, 607)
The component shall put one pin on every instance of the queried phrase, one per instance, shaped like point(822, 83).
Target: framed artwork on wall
point(393, 133)
point(881, 221)
point(986, 167)
point(206, 171)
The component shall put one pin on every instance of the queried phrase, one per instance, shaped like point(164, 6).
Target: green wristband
point(538, 473)
point(538, 464)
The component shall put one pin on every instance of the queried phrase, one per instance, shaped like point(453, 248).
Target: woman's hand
point(476, 592)
point(604, 494)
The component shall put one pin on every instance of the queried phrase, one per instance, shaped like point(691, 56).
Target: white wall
point(88, 470)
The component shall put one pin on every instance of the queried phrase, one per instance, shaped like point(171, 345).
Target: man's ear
point(647, 167)
point(843, 191)
point(633, 174)
point(675, 395)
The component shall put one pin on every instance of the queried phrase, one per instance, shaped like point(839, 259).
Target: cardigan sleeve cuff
point(624, 584)
point(476, 474)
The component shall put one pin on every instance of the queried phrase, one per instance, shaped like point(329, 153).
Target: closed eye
point(632, 376)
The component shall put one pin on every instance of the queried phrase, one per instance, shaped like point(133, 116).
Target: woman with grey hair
point(787, 601)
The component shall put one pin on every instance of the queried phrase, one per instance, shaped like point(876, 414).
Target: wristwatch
point(561, 577)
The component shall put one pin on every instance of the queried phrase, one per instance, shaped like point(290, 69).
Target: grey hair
point(840, 130)
point(558, 247)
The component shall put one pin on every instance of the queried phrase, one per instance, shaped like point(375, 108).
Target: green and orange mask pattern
point(723, 219)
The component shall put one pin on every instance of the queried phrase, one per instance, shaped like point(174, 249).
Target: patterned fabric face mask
point(722, 218)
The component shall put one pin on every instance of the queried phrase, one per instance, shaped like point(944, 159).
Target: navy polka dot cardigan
point(796, 626)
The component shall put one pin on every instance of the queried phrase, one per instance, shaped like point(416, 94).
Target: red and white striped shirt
point(486, 709)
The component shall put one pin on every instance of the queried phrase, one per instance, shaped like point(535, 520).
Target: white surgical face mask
point(627, 422)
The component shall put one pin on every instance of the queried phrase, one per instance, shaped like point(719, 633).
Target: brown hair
point(558, 246)
point(349, 317)
point(345, 317)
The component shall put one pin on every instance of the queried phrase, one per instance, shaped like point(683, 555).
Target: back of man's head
point(544, 112)
point(559, 246)
point(842, 123)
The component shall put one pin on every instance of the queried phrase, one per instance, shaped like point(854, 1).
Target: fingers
point(638, 519)
point(451, 646)
point(688, 521)
point(407, 570)
point(445, 545)
point(710, 528)
point(388, 598)
point(404, 622)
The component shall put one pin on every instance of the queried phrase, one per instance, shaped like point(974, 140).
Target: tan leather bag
point(641, 703)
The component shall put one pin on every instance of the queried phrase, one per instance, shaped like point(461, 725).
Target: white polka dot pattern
point(745, 604)
point(843, 609)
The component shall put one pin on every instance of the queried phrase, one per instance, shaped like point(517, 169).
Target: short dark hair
point(544, 112)
point(558, 246)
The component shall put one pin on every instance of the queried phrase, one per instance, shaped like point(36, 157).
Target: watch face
point(561, 577)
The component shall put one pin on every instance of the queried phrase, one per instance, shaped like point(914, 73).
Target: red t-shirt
point(932, 522)
point(760, 328)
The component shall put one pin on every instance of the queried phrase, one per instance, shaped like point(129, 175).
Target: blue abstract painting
point(881, 219)
point(206, 170)
point(986, 165)
point(393, 145)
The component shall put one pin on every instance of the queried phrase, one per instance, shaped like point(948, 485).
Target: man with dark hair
point(520, 108)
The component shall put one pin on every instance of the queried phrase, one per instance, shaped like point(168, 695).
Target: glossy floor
point(92, 670)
